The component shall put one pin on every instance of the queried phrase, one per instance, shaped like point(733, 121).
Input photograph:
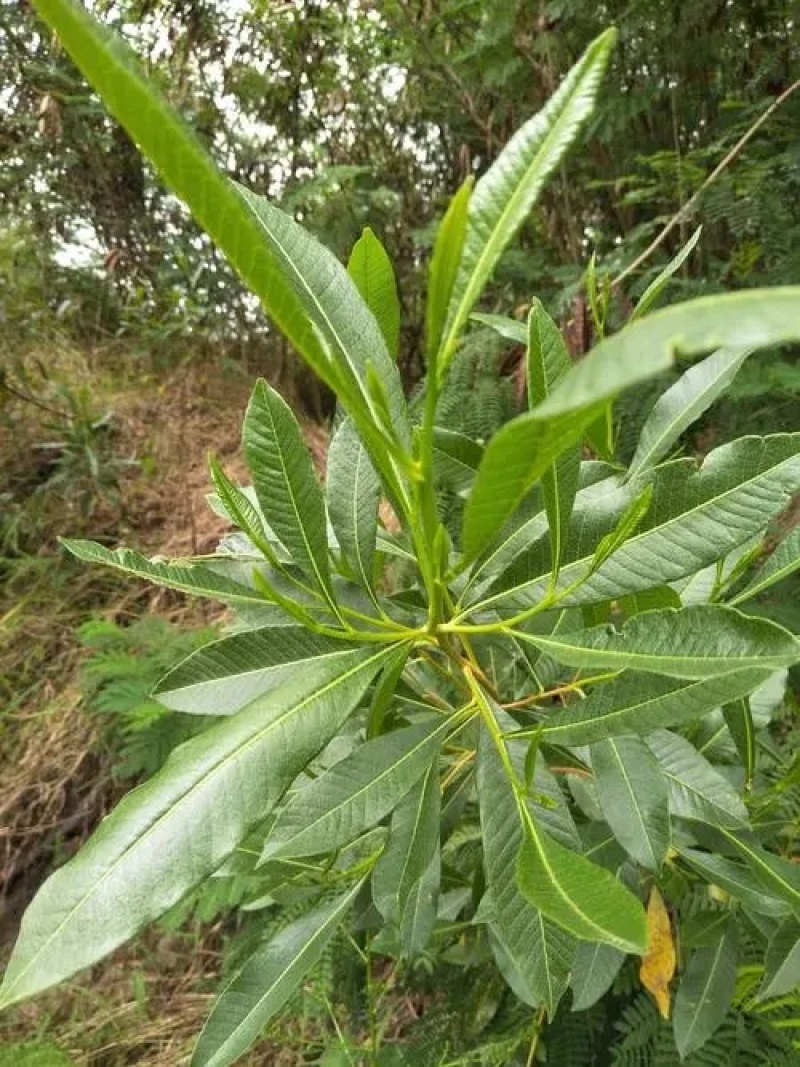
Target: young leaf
point(535, 956)
point(596, 967)
point(699, 641)
point(785, 560)
point(186, 576)
point(639, 703)
point(356, 792)
point(629, 522)
point(504, 196)
point(268, 979)
point(658, 963)
point(782, 961)
point(684, 402)
point(585, 900)
point(222, 677)
point(447, 250)
point(173, 831)
point(705, 992)
point(548, 362)
point(371, 269)
point(633, 798)
point(739, 720)
point(353, 492)
point(521, 451)
point(413, 839)
point(286, 485)
point(696, 789)
point(655, 288)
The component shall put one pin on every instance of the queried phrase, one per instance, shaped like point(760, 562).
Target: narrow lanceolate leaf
point(371, 269)
point(267, 980)
point(705, 992)
point(301, 283)
point(633, 797)
point(696, 789)
point(782, 961)
point(658, 963)
point(585, 900)
point(173, 831)
point(356, 792)
point(640, 703)
point(503, 326)
point(629, 522)
point(654, 289)
point(737, 880)
point(456, 458)
point(222, 677)
point(785, 560)
point(780, 877)
point(695, 518)
point(699, 641)
point(521, 451)
point(504, 196)
point(186, 576)
point(684, 402)
point(596, 966)
point(534, 955)
point(413, 839)
point(548, 362)
point(418, 916)
point(286, 485)
point(242, 511)
point(739, 720)
point(445, 262)
point(353, 492)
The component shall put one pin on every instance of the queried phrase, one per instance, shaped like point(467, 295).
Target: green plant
point(496, 759)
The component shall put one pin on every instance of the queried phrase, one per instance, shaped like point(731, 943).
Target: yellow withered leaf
point(658, 963)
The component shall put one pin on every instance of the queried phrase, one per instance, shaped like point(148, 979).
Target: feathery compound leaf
point(356, 792)
point(639, 703)
point(633, 797)
point(684, 402)
point(785, 560)
point(173, 831)
point(224, 676)
point(371, 269)
point(696, 789)
point(185, 576)
point(265, 983)
point(353, 493)
point(447, 249)
point(705, 992)
point(286, 485)
point(699, 641)
point(548, 362)
point(506, 193)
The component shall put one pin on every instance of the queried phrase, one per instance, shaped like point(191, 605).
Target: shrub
point(555, 723)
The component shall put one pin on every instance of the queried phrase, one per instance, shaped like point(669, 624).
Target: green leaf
point(585, 900)
point(629, 522)
point(371, 269)
point(413, 840)
point(696, 789)
point(782, 962)
point(505, 195)
point(447, 250)
point(785, 560)
point(353, 492)
point(735, 879)
point(286, 484)
point(265, 983)
point(684, 402)
point(659, 283)
point(639, 703)
point(534, 956)
point(242, 511)
point(169, 834)
point(633, 798)
point(184, 575)
point(456, 458)
point(596, 967)
point(521, 451)
point(695, 518)
point(705, 992)
point(548, 362)
point(780, 877)
point(356, 792)
point(222, 677)
point(739, 720)
point(418, 916)
point(503, 326)
point(698, 641)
